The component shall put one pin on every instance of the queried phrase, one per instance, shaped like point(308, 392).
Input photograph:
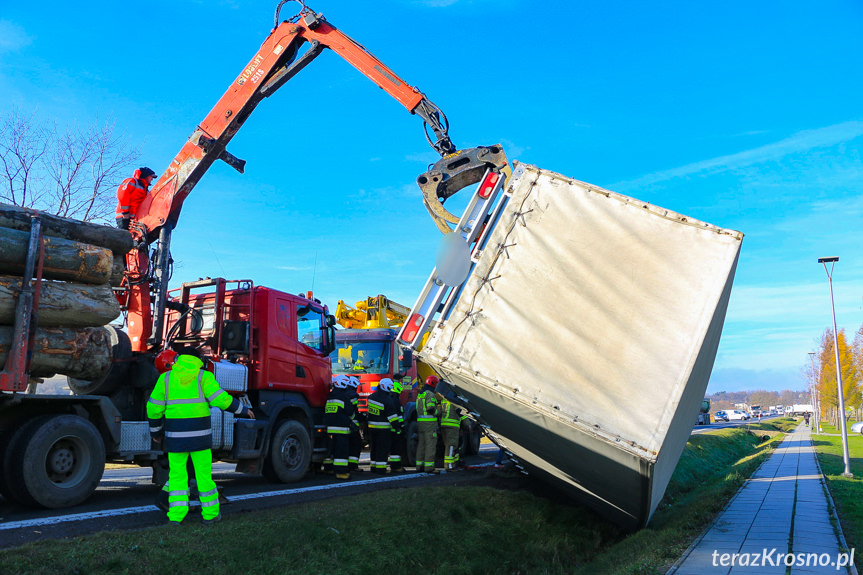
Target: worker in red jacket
point(130, 194)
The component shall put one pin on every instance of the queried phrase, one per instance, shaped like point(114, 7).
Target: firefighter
point(397, 439)
point(427, 409)
point(130, 194)
point(381, 417)
point(179, 412)
point(338, 415)
point(450, 422)
point(356, 439)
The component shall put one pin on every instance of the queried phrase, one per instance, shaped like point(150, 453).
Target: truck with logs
point(268, 348)
point(67, 280)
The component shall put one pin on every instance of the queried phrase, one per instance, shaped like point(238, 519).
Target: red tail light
point(488, 185)
point(413, 327)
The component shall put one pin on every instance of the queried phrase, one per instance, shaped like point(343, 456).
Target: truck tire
point(411, 439)
point(474, 439)
point(121, 349)
point(55, 461)
point(290, 453)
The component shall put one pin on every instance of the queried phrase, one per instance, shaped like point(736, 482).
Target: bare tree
point(71, 173)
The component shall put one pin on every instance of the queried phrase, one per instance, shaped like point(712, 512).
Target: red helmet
point(432, 381)
point(165, 360)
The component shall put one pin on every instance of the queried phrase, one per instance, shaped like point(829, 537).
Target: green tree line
point(823, 372)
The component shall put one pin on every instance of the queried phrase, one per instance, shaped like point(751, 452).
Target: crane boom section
point(269, 69)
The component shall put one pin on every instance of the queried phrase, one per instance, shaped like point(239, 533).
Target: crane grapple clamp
point(453, 173)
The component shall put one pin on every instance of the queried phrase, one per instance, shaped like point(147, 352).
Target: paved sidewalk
point(781, 509)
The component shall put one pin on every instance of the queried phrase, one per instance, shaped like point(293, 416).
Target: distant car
point(736, 414)
point(720, 416)
point(857, 427)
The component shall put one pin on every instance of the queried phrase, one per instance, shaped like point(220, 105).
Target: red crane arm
point(272, 66)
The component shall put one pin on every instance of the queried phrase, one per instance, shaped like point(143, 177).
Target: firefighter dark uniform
point(337, 417)
point(397, 439)
point(355, 439)
point(450, 422)
point(381, 417)
point(179, 411)
point(130, 194)
point(427, 425)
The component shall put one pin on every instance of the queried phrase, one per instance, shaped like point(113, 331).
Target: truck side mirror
point(331, 320)
point(406, 359)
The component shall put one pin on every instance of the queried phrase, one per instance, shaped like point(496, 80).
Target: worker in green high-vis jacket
point(179, 412)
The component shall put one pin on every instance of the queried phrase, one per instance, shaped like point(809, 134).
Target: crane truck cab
point(367, 348)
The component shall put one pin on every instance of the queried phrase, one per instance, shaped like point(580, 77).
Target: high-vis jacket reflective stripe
point(450, 416)
point(426, 406)
point(130, 194)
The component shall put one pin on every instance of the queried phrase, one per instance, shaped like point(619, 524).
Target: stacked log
point(81, 263)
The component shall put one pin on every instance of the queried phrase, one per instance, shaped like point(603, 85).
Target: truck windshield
point(355, 357)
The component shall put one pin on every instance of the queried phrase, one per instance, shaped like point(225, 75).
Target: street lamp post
point(844, 428)
point(813, 393)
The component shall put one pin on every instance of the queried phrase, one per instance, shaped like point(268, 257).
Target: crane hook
point(295, 17)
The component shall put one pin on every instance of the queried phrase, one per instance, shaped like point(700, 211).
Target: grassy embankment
point(514, 526)
point(847, 492)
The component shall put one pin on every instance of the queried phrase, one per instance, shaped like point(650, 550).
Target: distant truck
point(801, 408)
point(581, 327)
point(704, 413)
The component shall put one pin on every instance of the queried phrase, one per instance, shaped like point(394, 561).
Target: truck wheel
point(121, 348)
point(290, 453)
point(474, 439)
point(412, 437)
point(55, 461)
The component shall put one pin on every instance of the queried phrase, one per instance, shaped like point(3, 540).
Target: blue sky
point(745, 115)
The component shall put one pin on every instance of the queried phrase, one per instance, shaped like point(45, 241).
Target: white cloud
point(799, 142)
point(293, 268)
point(12, 37)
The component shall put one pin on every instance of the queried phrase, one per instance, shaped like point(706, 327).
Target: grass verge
point(511, 525)
point(847, 492)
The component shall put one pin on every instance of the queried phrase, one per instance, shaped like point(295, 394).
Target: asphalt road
point(125, 498)
point(724, 424)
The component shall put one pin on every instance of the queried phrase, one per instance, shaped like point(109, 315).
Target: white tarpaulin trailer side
point(585, 335)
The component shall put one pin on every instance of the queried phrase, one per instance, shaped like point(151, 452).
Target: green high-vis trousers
point(178, 484)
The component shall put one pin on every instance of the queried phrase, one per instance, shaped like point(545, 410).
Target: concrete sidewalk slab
point(779, 516)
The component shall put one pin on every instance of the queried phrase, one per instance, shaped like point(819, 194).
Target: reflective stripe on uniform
point(178, 434)
point(209, 493)
point(158, 401)
point(183, 401)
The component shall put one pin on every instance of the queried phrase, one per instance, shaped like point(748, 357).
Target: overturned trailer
point(584, 334)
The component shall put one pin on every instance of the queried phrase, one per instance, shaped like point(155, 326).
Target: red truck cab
point(271, 350)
